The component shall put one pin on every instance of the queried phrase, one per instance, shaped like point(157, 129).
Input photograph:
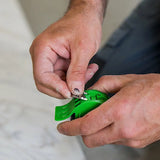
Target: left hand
point(131, 117)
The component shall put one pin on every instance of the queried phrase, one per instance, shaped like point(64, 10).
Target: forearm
point(88, 7)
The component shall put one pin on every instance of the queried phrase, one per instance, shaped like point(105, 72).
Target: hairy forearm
point(95, 7)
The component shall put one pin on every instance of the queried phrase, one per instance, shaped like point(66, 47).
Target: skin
point(61, 53)
point(60, 57)
point(130, 117)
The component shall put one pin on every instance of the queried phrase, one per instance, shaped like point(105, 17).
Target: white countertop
point(27, 126)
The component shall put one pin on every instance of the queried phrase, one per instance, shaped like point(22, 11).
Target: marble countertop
point(27, 126)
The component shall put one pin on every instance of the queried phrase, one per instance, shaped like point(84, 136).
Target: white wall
point(41, 13)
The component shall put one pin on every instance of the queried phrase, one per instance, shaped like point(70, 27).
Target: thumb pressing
point(76, 74)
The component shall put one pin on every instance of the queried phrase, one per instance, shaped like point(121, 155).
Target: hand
point(131, 117)
point(61, 54)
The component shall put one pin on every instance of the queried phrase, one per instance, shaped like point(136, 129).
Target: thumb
point(113, 83)
point(76, 73)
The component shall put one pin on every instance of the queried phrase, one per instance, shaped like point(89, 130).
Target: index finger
point(91, 123)
point(44, 74)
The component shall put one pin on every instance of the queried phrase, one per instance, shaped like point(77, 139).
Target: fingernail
point(92, 73)
point(76, 91)
point(77, 88)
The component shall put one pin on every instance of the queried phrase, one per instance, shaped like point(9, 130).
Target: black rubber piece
point(73, 116)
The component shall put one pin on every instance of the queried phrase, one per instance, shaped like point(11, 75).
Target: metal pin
point(80, 96)
point(83, 97)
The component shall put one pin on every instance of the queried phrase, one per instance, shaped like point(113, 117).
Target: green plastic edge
point(81, 109)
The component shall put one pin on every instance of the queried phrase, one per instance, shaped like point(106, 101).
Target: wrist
point(88, 8)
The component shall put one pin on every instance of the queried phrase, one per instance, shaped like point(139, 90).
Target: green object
point(78, 107)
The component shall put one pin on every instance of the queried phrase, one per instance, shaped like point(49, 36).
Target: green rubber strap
point(78, 107)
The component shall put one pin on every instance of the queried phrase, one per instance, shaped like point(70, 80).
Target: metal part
point(77, 108)
point(83, 97)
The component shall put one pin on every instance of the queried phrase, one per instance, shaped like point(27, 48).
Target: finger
point(44, 73)
point(54, 82)
point(97, 119)
point(112, 84)
point(133, 143)
point(50, 92)
point(77, 71)
point(41, 52)
point(91, 70)
point(91, 123)
point(70, 128)
point(105, 136)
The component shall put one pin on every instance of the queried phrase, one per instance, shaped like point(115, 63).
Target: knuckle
point(135, 144)
point(41, 79)
point(87, 142)
point(38, 43)
point(142, 146)
point(121, 111)
point(39, 88)
point(125, 134)
point(94, 49)
point(102, 79)
point(82, 45)
point(119, 114)
point(104, 141)
point(78, 70)
point(128, 133)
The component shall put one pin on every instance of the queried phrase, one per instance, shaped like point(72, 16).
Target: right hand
point(61, 54)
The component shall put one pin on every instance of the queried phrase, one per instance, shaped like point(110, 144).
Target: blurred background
point(27, 126)
point(41, 13)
